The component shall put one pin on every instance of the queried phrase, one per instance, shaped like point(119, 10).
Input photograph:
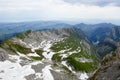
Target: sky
point(89, 11)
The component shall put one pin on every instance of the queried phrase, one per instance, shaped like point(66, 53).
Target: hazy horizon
point(76, 11)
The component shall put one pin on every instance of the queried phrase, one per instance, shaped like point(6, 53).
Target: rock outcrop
point(3, 55)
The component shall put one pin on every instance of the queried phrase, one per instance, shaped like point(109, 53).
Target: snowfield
point(46, 73)
point(14, 71)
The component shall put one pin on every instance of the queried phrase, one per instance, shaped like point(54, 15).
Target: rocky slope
point(110, 67)
point(51, 54)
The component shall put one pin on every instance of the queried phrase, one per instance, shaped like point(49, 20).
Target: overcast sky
point(76, 10)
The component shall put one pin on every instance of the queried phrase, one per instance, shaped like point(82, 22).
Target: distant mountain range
point(8, 30)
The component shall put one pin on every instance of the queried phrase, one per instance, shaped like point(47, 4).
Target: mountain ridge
point(59, 52)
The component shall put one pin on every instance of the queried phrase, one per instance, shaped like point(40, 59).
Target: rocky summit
point(55, 54)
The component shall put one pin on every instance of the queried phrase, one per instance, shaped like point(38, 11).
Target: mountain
point(104, 36)
point(8, 30)
point(98, 32)
point(110, 67)
point(54, 54)
point(106, 39)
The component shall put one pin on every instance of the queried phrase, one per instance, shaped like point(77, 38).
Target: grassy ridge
point(23, 35)
point(80, 66)
point(73, 42)
point(15, 47)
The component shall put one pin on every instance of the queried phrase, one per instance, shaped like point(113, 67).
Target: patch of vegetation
point(72, 42)
point(55, 64)
point(20, 35)
point(21, 48)
point(36, 58)
point(15, 47)
point(28, 32)
point(23, 35)
point(7, 47)
point(39, 52)
point(80, 66)
point(56, 57)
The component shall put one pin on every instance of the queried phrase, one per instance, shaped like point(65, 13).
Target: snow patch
point(83, 60)
point(14, 71)
point(65, 64)
point(47, 51)
point(36, 62)
point(23, 55)
point(62, 51)
point(64, 55)
point(47, 74)
point(38, 75)
point(83, 76)
point(33, 54)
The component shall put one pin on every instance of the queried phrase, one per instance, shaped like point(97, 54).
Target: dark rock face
point(106, 47)
point(110, 67)
point(3, 55)
point(111, 71)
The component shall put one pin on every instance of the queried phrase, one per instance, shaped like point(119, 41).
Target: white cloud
point(95, 2)
point(54, 10)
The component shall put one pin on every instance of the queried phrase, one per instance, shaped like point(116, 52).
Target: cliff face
point(110, 67)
